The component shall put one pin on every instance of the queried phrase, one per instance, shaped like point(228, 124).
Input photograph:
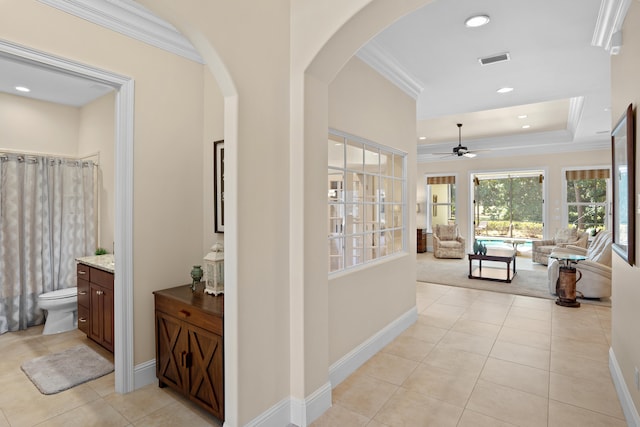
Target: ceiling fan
point(460, 150)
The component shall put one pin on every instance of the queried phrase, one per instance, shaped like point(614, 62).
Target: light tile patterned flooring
point(474, 358)
point(94, 403)
point(479, 358)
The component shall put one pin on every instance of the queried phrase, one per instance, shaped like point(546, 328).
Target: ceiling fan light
point(476, 21)
point(469, 155)
point(505, 90)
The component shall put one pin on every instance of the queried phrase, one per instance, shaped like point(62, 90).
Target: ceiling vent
point(494, 59)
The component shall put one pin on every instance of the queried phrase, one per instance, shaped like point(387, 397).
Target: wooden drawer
point(83, 271)
point(102, 278)
point(83, 292)
point(189, 314)
point(83, 319)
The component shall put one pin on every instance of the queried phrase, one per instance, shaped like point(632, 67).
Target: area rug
point(530, 280)
point(60, 371)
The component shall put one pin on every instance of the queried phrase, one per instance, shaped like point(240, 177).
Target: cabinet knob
point(99, 292)
point(82, 319)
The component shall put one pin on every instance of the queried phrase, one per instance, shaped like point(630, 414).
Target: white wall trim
point(610, 19)
point(348, 364)
point(385, 64)
point(629, 409)
point(123, 286)
point(277, 415)
point(144, 373)
point(304, 412)
point(576, 105)
point(551, 142)
point(131, 19)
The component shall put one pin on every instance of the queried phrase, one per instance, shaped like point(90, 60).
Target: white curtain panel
point(47, 219)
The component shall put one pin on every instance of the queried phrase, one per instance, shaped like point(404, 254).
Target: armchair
point(447, 242)
point(541, 249)
point(595, 270)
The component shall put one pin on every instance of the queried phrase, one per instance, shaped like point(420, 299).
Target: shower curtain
point(46, 221)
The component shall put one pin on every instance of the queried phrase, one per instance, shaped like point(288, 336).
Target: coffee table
point(507, 256)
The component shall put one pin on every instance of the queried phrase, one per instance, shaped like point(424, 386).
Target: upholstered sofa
point(447, 242)
point(541, 249)
point(594, 272)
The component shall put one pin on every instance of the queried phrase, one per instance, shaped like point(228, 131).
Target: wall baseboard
point(629, 409)
point(348, 364)
point(302, 412)
point(144, 374)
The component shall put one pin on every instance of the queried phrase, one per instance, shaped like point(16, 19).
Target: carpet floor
point(57, 372)
point(530, 280)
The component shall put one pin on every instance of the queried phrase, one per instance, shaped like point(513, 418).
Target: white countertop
point(103, 262)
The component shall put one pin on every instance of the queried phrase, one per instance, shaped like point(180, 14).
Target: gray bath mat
point(61, 371)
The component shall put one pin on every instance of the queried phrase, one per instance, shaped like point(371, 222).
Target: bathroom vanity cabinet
point(95, 304)
point(190, 345)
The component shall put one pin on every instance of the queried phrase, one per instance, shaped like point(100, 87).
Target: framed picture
point(218, 185)
point(624, 179)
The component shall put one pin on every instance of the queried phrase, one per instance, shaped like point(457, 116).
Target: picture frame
point(623, 182)
point(218, 185)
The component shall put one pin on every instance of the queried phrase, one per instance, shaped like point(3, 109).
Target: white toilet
point(62, 310)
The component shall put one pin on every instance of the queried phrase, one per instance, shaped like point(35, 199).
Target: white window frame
point(338, 233)
point(430, 204)
point(606, 204)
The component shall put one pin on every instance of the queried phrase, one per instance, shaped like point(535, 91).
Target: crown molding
point(384, 63)
point(610, 19)
point(516, 146)
point(130, 19)
point(576, 106)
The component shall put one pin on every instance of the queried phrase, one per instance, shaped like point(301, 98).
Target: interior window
point(366, 201)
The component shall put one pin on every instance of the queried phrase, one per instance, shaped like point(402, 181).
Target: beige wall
point(38, 126)
point(213, 122)
point(552, 165)
point(625, 89)
point(96, 135)
point(168, 176)
point(363, 103)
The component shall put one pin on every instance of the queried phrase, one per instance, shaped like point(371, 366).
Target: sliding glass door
point(509, 205)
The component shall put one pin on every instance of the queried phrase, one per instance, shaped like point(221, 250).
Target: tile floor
point(474, 358)
point(479, 358)
point(94, 403)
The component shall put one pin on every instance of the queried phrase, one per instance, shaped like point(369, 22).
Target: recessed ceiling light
point(522, 116)
point(476, 21)
point(22, 89)
point(423, 137)
point(505, 90)
point(526, 126)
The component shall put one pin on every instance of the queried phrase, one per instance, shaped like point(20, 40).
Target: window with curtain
point(587, 201)
point(441, 200)
point(366, 201)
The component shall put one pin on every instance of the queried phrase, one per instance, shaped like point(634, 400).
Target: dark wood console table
point(190, 345)
point(507, 256)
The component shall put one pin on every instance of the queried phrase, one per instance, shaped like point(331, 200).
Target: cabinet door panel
point(171, 351)
point(206, 383)
point(107, 319)
point(95, 312)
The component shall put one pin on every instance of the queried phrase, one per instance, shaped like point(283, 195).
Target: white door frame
point(123, 232)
